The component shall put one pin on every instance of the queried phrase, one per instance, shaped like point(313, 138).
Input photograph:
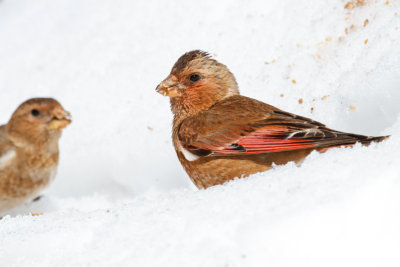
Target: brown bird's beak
point(170, 87)
point(61, 120)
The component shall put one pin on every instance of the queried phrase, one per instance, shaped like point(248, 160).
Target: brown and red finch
point(29, 150)
point(219, 135)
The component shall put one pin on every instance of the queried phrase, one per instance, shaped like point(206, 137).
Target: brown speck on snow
point(355, 3)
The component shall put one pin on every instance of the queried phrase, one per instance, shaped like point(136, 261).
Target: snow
point(121, 196)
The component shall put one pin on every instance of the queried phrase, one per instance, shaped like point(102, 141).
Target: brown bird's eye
point(35, 112)
point(194, 77)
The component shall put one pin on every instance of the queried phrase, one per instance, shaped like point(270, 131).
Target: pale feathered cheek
point(7, 158)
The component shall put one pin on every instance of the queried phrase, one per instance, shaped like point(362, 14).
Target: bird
point(220, 135)
point(29, 150)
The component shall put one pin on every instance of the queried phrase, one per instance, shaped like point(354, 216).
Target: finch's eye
point(35, 112)
point(194, 77)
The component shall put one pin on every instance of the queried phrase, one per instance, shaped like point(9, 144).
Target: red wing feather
point(259, 141)
point(272, 138)
point(272, 141)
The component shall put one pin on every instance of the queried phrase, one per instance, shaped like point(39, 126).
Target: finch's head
point(37, 121)
point(197, 82)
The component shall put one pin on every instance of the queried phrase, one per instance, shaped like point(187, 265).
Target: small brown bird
point(219, 135)
point(29, 150)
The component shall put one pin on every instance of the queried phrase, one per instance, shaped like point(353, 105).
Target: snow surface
point(121, 196)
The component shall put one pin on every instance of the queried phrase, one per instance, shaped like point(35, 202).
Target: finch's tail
point(366, 140)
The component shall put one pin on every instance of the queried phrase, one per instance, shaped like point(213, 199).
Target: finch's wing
point(241, 125)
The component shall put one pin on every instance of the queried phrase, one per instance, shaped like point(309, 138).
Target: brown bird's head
point(197, 82)
point(37, 121)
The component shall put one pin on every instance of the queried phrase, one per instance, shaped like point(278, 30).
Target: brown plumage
point(29, 150)
point(219, 135)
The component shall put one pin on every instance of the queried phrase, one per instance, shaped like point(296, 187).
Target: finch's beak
point(62, 119)
point(170, 87)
